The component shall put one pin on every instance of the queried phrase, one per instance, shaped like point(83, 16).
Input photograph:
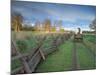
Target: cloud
point(71, 16)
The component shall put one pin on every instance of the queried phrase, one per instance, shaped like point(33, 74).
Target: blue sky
point(72, 16)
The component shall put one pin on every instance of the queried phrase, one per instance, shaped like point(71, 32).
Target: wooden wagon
point(78, 36)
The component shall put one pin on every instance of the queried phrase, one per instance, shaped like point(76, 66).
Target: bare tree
point(47, 25)
point(93, 25)
point(37, 25)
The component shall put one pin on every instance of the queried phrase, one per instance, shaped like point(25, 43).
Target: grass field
point(90, 41)
point(91, 38)
point(61, 59)
point(26, 41)
point(86, 58)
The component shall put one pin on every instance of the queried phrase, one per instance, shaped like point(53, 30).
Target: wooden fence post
point(25, 64)
point(42, 54)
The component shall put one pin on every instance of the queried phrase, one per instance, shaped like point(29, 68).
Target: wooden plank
point(37, 62)
point(34, 51)
point(16, 70)
point(37, 48)
point(50, 50)
point(32, 59)
point(13, 50)
point(19, 56)
point(42, 54)
point(35, 55)
point(25, 64)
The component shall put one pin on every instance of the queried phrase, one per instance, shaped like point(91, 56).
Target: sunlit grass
point(90, 41)
point(91, 38)
point(86, 58)
point(61, 60)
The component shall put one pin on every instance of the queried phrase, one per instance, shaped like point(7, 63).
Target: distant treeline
point(91, 32)
point(17, 24)
point(25, 28)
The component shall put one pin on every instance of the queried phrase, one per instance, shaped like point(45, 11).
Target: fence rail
point(31, 60)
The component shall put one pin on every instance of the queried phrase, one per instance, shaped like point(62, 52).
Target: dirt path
point(77, 47)
point(75, 62)
point(70, 56)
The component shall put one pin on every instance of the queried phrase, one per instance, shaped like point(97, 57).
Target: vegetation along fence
point(29, 61)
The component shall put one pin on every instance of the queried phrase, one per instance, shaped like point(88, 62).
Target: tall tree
point(47, 25)
point(93, 25)
point(17, 21)
point(37, 25)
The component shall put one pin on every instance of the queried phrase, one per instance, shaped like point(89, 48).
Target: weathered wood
point(13, 50)
point(32, 59)
point(42, 54)
point(49, 50)
point(13, 72)
point(19, 56)
point(35, 65)
point(35, 55)
point(25, 64)
point(38, 47)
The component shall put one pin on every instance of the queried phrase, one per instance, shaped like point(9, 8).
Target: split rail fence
point(31, 60)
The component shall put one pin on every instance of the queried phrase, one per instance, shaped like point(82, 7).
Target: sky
point(71, 15)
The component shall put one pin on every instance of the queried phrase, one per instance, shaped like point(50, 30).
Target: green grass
point(26, 45)
point(90, 41)
point(15, 64)
point(26, 41)
point(86, 58)
point(61, 60)
point(91, 46)
point(91, 38)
